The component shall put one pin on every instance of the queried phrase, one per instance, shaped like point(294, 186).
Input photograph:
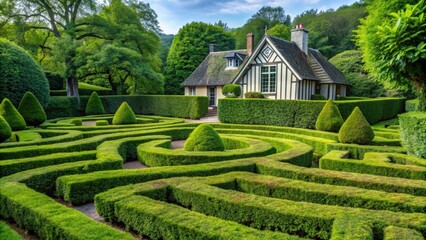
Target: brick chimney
point(250, 43)
point(299, 35)
point(212, 48)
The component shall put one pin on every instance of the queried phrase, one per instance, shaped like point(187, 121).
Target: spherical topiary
point(231, 90)
point(19, 73)
point(31, 110)
point(356, 129)
point(94, 105)
point(329, 119)
point(5, 130)
point(204, 138)
point(11, 115)
point(124, 115)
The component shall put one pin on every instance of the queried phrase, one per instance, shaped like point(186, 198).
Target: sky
point(174, 14)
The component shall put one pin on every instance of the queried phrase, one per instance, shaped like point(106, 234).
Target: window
point(233, 63)
point(268, 79)
point(192, 91)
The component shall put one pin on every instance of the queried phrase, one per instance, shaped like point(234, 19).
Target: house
point(278, 68)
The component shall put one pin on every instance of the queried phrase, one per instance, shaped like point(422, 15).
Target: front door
point(212, 96)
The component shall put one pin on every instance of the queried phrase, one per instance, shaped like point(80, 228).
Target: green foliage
point(350, 63)
point(331, 31)
point(280, 31)
point(102, 123)
point(318, 97)
point(396, 233)
point(170, 106)
point(72, 121)
point(204, 138)
point(94, 105)
point(19, 73)
point(302, 114)
point(31, 110)
point(231, 90)
point(5, 130)
point(190, 46)
point(274, 15)
point(413, 134)
point(8, 233)
point(254, 95)
point(329, 119)
point(11, 115)
point(411, 105)
point(393, 44)
point(56, 81)
point(124, 115)
point(356, 129)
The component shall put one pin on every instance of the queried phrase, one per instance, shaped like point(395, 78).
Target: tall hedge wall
point(161, 105)
point(302, 113)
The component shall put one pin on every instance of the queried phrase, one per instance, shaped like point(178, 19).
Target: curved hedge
point(19, 73)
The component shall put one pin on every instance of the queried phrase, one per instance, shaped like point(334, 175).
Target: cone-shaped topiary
point(124, 115)
point(94, 105)
point(31, 110)
point(329, 119)
point(356, 129)
point(11, 115)
point(204, 138)
point(5, 130)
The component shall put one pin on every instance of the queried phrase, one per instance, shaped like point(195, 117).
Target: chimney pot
point(250, 43)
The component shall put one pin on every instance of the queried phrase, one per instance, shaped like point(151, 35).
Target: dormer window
point(234, 60)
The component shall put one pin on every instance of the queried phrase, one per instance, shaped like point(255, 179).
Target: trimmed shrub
point(5, 130)
point(329, 119)
point(31, 110)
point(356, 129)
point(411, 105)
point(102, 123)
point(254, 95)
point(73, 121)
point(94, 105)
point(11, 115)
point(8, 233)
point(56, 81)
point(19, 73)
point(204, 138)
point(413, 133)
point(231, 90)
point(318, 97)
point(124, 115)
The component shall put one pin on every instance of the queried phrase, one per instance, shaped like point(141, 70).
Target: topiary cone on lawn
point(11, 115)
point(356, 129)
point(31, 110)
point(5, 130)
point(204, 138)
point(329, 119)
point(124, 115)
point(94, 105)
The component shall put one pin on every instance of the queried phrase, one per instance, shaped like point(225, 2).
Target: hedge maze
point(269, 183)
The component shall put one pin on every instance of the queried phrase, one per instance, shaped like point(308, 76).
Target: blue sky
point(173, 14)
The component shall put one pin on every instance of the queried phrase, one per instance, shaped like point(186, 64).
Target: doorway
point(212, 96)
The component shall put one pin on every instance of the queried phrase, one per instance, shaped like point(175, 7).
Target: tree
point(255, 26)
point(190, 46)
point(273, 15)
point(280, 31)
point(394, 47)
point(350, 63)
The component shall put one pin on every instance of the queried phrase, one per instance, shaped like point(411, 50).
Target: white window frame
point(269, 75)
point(192, 91)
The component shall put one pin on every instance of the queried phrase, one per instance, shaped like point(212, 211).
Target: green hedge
point(301, 113)
point(383, 164)
point(168, 106)
point(8, 233)
point(413, 133)
point(56, 81)
point(410, 105)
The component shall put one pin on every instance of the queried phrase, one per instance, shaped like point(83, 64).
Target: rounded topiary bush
point(413, 133)
point(5, 130)
point(204, 138)
point(31, 110)
point(329, 119)
point(124, 115)
point(11, 115)
point(356, 129)
point(19, 73)
point(94, 105)
point(231, 90)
